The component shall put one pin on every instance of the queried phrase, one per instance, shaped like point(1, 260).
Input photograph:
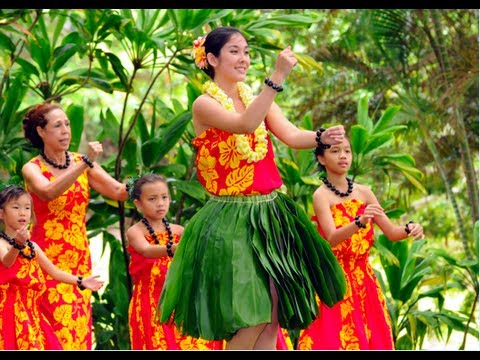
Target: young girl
point(345, 213)
point(22, 325)
point(250, 258)
point(151, 244)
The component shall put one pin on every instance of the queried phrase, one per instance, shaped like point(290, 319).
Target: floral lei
point(243, 145)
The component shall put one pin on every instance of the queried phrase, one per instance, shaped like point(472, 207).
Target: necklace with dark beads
point(20, 247)
point(335, 190)
point(154, 236)
point(54, 164)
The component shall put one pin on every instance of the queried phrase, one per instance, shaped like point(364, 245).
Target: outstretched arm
point(392, 232)
point(91, 282)
point(297, 138)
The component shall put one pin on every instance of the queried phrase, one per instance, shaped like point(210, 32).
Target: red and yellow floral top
point(222, 171)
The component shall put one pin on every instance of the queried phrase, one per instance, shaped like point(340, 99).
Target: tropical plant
point(125, 78)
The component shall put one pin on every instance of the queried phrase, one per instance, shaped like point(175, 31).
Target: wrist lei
point(276, 87)
point(87, 161)
point(407, 229)
point(318, 138)
point(79, 283)
point(358, 223)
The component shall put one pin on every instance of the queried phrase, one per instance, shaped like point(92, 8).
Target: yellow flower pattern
point(238, 180)
point(206, 166)
point(226, 163)
point(21, 320)
point(60, 231)
point(363, 299)
point(229, 157)
point(146, 332)
point(242, 142)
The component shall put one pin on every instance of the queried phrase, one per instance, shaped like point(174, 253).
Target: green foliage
point(370, 140)
point(76, 116)
point(407, 271)
point(126, 78)
point(110, 309)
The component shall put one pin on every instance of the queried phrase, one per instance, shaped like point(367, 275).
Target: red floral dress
point(146, 332)
point(222, 171)
point(60, 230)
point(360, 321)
point(22, 325)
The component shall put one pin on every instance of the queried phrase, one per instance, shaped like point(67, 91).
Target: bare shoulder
point(177, 229)
point(136, 235)
point(321, 195)
point(29, 166)
point(363, 188)
point(134, 229)
point(366, 193)
point(202, 109)
point(319, 191)
point(201, 101)
point(4, 245)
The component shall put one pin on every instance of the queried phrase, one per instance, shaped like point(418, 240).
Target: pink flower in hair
point(198, 53)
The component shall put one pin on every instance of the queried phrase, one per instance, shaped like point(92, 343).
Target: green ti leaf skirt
point(218, 280)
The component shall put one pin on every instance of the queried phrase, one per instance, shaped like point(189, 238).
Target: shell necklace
point(243, 145)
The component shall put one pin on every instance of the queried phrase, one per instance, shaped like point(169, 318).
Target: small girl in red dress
point(151, 244)
point(345, 213)
point(22, 324)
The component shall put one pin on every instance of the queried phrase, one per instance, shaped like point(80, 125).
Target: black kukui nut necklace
point(12, 242)
point(154, 236)
point(54, 164)
point(335, 190)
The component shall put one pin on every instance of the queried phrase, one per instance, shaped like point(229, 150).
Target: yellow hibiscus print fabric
point(223, 172)
point(22, 324)
point(360, 321)
point(60, 230)
point(146, 332)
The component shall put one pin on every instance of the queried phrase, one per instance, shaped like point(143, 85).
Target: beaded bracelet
point(407, 229)
point(169, 249)
point(318, 138)
point(79, 283)
point(358, 223)
point(277, 88)
point(18, 246)
point(87, 160)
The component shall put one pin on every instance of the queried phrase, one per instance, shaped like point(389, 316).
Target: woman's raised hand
point(95, 148)
point(286, 60)
point(333, 135)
